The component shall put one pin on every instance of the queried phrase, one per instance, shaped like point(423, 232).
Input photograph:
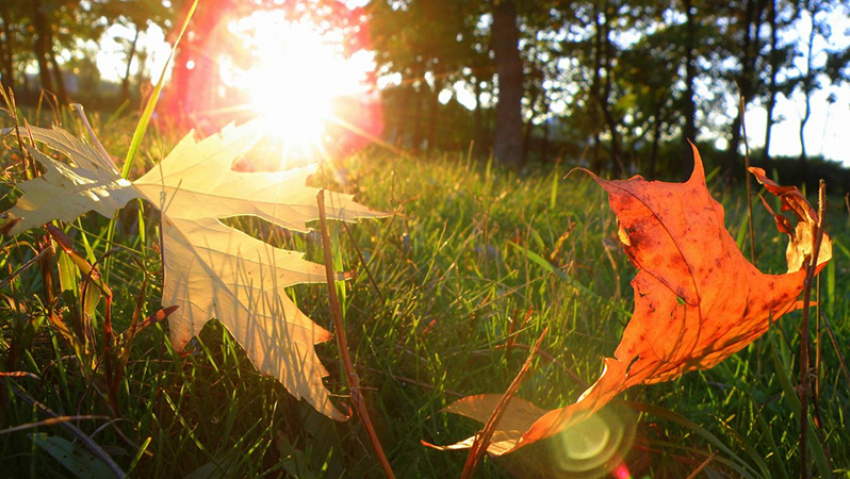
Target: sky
point(828, 130)
point(827, 133)
point(111, 55)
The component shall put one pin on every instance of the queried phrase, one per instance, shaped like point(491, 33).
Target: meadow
point(445, 299)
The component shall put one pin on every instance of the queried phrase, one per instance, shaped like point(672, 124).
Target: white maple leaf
point(65, 191)
point(211, 270)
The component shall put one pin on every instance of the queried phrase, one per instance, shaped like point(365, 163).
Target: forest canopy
point(612, 85)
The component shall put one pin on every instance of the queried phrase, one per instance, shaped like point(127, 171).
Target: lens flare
point(622, 472)
point(587, 440)
point(595, 447)
point(298, 78)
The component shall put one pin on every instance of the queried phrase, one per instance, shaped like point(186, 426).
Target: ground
point(474, 255)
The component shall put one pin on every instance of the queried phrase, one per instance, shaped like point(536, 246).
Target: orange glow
point(296, 78)
point(622, 472)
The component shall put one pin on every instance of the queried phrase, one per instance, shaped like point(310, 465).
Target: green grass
point(453, 269)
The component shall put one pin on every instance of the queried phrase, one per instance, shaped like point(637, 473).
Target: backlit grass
point(474, 255)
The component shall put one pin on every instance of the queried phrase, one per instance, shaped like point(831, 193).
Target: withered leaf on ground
point(697, 299)
point(211, 270)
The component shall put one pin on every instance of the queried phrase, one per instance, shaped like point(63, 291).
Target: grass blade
point(142, 126)
point(747, 470)
point(794, 403)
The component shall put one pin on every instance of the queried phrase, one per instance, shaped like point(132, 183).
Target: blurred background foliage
point(611, 84)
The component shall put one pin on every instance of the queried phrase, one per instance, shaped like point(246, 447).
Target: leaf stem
point(341, 341)
point(804, 332)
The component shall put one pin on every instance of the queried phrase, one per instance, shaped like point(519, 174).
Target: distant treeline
point(616, 84)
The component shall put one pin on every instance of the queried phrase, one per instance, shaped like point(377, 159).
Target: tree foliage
point(611, 84)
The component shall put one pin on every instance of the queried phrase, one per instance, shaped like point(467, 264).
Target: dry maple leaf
point(66, 191)
point(211, 270)
point(697, 299)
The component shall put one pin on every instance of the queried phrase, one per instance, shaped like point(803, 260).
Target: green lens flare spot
point(587, 439)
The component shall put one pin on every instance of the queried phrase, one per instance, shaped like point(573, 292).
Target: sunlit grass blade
point(145, 119)
point(142, 127)
point(542, 262)
point(746, 470)
point(794, 403)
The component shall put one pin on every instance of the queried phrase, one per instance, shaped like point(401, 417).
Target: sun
point(297, 77)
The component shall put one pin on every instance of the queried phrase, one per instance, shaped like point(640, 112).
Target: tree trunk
point(772, 90)
point(141, 73)
point(808, 86)
point(806, 115)
point(404, 93)
point(125, 83)
point(690, 131)
point(58, 78)
point(489, 117)
point(40, 45)
point(608, 115)
point(25, 87)
point(595, 91)
point(656, 138)
point(752, 16)
point(544, 147)
point(416, 96)
point(528, 135)
point(57, 71)
point(478, 117)
point(7, 50)
point(432, 117)
point(507, 143)
point(435, 105)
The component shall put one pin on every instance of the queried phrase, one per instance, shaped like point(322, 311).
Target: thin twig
point(749, 187)
point(551, 359)
point(342, 343)
point(88, 441)
point(365, 265)
point(816, 386)
point(512, 327)
point(9, 99)
point(804, 332)
point(702, 466)
point(23, 267)
point(482, 439)
point(52, 422)
point(19, 374)
point(837, 349)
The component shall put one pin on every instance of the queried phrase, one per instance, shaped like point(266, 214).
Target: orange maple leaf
point(697, 299)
